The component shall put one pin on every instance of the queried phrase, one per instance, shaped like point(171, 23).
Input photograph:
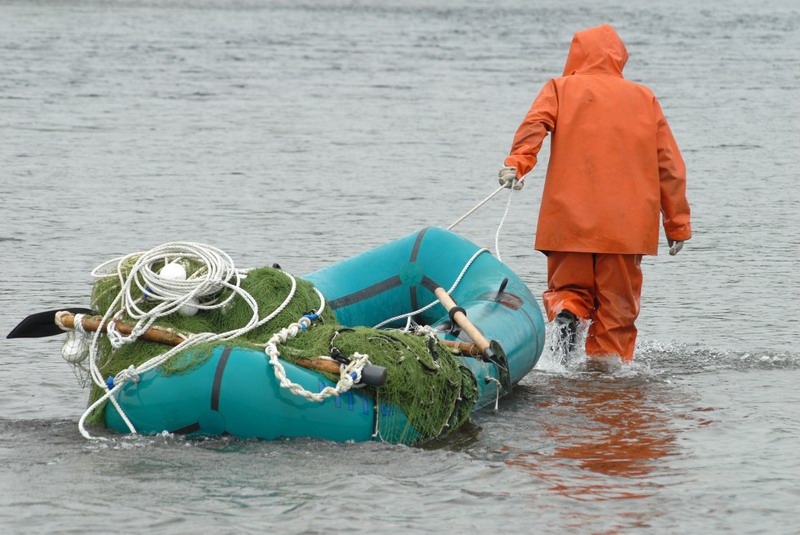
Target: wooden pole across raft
point(461, 318)
point(491, 351)
point(169, 337)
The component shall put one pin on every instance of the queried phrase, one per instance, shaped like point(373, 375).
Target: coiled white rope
point(199, 291)
point(216, 273)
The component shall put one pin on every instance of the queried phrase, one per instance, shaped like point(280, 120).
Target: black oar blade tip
point(43, 324)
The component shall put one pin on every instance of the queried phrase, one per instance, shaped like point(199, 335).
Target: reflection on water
point(608, 436)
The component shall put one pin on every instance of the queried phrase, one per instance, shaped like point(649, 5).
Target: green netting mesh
point(433, 391)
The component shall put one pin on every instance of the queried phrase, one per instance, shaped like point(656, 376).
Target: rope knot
point(425, 330)
point(128, 374)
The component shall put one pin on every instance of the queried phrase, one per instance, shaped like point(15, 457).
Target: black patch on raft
point(223, 361)
point(192, 428)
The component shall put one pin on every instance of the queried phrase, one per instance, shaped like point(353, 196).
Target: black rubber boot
point(566, 324)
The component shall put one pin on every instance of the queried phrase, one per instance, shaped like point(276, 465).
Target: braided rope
point(350, 374)
point(499, 227)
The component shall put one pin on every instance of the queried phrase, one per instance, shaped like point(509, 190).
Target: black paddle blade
point(43, 324)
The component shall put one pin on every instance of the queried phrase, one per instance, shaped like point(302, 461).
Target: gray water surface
point(304, 133)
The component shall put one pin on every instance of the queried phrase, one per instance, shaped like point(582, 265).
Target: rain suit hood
point(598, 50)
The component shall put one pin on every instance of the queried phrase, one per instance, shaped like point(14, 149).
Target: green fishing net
point(428, 392)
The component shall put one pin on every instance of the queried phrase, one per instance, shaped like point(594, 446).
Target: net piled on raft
point(428, 393)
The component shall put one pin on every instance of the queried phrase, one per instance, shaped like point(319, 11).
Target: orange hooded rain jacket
point(614, 164)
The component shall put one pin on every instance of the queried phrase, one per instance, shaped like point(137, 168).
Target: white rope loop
point(349, 375)
point(502, 221)
point(498, 387)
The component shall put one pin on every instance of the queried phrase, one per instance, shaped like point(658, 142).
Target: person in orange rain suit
point(614, 166)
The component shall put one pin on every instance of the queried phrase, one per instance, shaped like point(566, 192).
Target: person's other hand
point(508, 178)
point(674, 246)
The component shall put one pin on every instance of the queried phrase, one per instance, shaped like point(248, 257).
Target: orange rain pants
point(602, 287)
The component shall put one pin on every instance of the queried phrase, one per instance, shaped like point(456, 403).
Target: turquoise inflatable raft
point(235, 392)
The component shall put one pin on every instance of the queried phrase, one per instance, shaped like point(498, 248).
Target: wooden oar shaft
point(171, 338)
point(461, 318)
point(323, 365)
point(153, 334)
point(465, 348)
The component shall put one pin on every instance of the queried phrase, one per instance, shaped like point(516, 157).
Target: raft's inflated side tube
point(235, 391)
point(401, 276)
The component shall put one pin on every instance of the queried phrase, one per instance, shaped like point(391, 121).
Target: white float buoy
point(75, 348)
point(175, 271)
point(188, 309)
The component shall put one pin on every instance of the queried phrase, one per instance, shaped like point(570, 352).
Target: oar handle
point(323, 365)
point(169, 337)
point(461, 318)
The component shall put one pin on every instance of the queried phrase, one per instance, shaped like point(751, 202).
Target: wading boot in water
point(566, 332)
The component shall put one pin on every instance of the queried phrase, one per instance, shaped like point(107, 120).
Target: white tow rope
point(475, 208)
point(502, 221)
point(409, 316)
